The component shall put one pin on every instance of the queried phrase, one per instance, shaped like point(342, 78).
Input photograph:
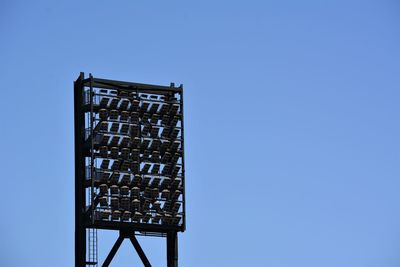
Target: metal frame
point(83, 220)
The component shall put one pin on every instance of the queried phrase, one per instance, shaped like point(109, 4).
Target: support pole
point(80, 232)
point(172, 249)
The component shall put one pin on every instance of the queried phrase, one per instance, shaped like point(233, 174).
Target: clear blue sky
point(292, 125)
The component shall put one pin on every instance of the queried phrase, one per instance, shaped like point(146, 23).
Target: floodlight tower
point(129, 165)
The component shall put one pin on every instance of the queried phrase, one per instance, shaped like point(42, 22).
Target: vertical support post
point(172, 249)
point(183, 160)
point(91, 149)
point(80, 232)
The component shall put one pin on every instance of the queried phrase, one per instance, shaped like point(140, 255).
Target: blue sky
point(291, 115)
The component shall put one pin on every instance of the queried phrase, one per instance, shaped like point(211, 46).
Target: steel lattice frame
point(129, 164)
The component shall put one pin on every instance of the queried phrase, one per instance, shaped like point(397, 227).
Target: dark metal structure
point(129, 165)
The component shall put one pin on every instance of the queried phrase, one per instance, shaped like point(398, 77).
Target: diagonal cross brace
point(113, 251)
point(135, 244)
point(140, 251)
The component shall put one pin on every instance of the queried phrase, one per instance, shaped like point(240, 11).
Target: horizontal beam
point(132, 226)
point(130, 86)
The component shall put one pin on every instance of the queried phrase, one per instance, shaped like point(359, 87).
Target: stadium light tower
point(129, 165)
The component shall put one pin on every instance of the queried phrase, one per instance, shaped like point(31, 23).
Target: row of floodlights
point(153, 154)
point(136, 105)
point(138, 217)
point(135, 204)
point(133, 94)
point(133, 130)
point(136, 168)
point(145, 181)
point(126, 141)
point(138, 143)
point(152, 192)
point(135, 118)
